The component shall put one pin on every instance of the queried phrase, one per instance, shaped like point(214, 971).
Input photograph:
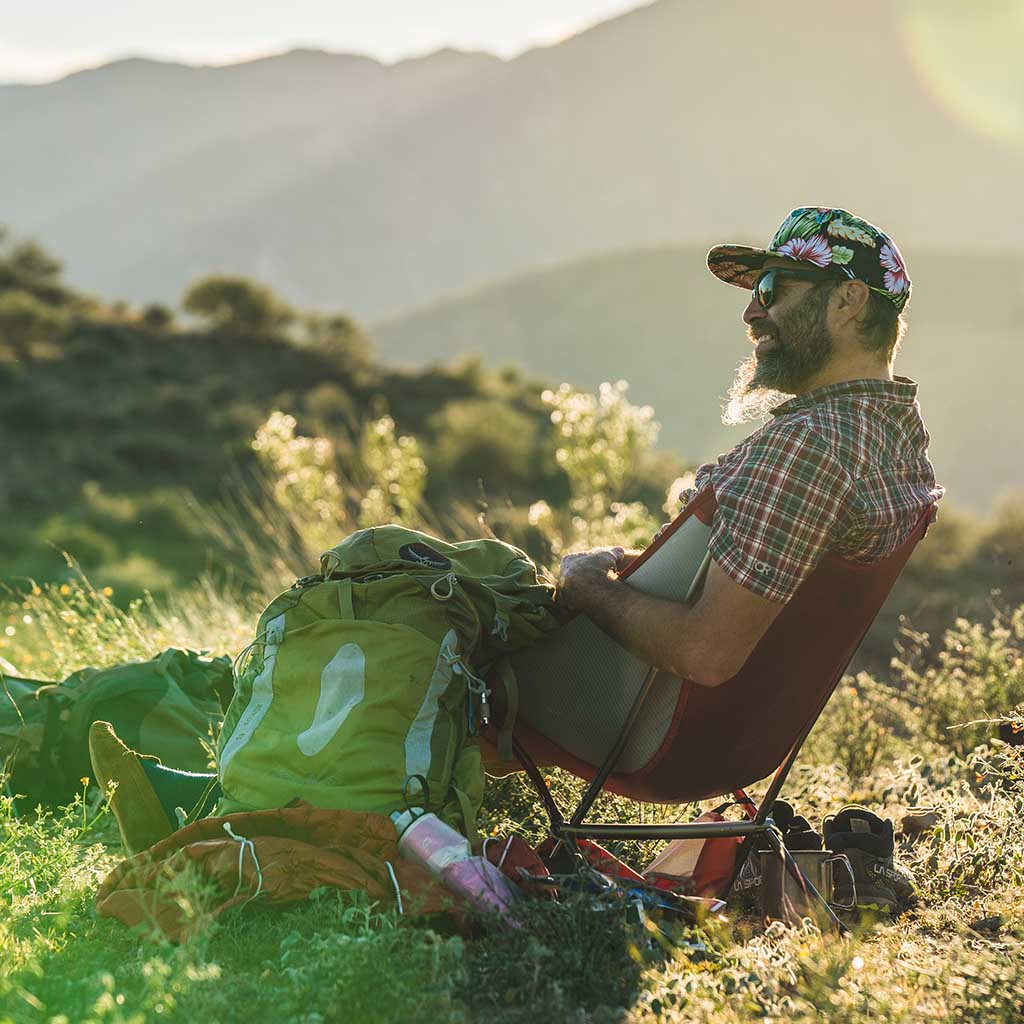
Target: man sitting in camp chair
point(840, 471)
point(841, 467)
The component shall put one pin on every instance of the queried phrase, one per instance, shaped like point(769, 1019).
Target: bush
point(237, 306)
point(979, 676)
point(864, 724)
point(84, 542)
point(601, 442)
point(157, 317)
point(488, 440)
point(338, 337)
point(26, 322)
point(395, 476)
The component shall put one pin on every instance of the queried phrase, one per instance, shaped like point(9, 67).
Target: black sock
point(176, 788)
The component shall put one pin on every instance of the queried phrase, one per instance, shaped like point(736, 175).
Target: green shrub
point(487, 440)
point(977, 849)
point(27, 322)
point(864, 723)
point(393, 476)
point(91, 547)
point(979, 676)
point(237, 306)
point(600, 440)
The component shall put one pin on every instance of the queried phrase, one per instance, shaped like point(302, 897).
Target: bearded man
point(842, 465)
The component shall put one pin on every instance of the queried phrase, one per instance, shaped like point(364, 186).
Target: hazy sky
point(44, 39)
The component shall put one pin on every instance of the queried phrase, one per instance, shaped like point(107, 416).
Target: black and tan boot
point(878, 883)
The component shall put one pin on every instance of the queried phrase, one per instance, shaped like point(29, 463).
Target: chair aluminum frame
point(759, 823)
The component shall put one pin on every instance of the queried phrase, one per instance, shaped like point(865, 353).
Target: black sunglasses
point(765, 285)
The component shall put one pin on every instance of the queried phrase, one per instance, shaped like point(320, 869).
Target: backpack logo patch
point(342, 689)
point(423, 554)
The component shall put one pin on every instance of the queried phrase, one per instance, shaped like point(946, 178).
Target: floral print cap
point(820, 236)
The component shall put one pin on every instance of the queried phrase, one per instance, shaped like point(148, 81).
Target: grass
point(958, 957)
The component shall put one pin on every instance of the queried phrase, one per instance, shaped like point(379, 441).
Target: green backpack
point(364, 687)
point(169, 707)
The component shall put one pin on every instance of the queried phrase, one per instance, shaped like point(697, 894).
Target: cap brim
point(737, 264)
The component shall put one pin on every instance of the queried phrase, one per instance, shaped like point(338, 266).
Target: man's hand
point(577, 568)
point(707, 643)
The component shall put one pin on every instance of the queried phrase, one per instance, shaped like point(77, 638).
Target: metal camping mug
point(784, 898)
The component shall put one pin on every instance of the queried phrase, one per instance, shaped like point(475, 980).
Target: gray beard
point(748, 401)
point(803, 347)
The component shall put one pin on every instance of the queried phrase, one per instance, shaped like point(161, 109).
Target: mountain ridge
point(377, 187)
point(292, 55)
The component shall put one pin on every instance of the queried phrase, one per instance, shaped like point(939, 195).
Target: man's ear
point(851, 300)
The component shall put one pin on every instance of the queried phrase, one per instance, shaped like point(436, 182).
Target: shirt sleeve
point(779, 506)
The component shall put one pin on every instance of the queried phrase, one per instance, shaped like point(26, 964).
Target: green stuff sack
point(169, 707)
point(367, 677)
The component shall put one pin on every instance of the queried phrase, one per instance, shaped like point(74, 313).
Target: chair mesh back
point(578, 686)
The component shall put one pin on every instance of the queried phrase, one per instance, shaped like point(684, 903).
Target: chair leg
point(593, 791)
point(604, 770)
point(534, 775)
point(764, 811)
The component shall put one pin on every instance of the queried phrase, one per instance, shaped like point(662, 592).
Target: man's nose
point(754, 311)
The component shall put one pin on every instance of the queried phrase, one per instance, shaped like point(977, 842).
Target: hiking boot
point(867, 841)
point(140, 817)
point(797, 834)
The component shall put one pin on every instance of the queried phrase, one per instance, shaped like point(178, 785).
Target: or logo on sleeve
point(763, 569)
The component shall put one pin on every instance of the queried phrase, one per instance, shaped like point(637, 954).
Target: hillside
point(104, 442)
point(658, 319)
point(114, 421)
point(345, 183)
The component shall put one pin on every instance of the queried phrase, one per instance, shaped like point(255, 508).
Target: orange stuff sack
point(276, 857)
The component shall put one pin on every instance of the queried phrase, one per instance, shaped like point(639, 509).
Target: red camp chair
point(586, 705)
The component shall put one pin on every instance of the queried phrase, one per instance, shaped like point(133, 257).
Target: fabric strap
point(345, 606)
point(469, 829)
point(511, 688)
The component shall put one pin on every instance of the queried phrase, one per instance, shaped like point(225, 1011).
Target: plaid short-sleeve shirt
point(843, 468)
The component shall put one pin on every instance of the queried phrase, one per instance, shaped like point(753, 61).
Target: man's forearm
point(663, 633)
